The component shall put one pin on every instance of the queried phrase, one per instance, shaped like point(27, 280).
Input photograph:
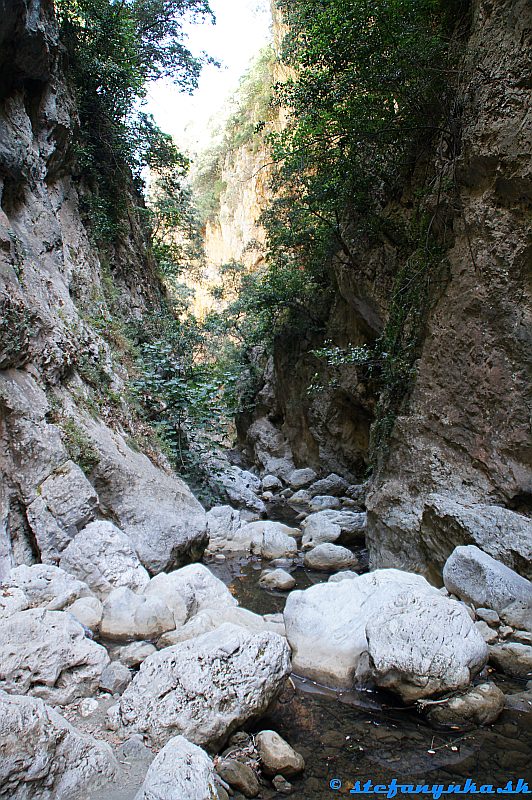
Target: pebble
point(238, 775)
point(489, 616)
point(505, 631)
point(281, 785)
point(88, 706)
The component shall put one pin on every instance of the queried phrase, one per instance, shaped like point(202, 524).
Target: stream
point(367, 735)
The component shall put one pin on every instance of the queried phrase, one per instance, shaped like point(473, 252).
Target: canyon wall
point(69, 438)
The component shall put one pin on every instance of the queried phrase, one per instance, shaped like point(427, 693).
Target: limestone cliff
point(459, 463)
point(65, 417)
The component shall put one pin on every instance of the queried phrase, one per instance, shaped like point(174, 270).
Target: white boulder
point(211, 618)
point(42, 756)
point(341, 527)
point(329, 558)
point(181, 771)
point(11, 601)
point(46, 654)
point(189, 590)
point(277, 579)
point(127, 615)
point(104, 558)
point(204, 688)
point(46, 585)
point(88, 611)
point(266, 538)
point(476, 577)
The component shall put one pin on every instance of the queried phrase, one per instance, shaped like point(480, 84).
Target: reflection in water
point(361, 735)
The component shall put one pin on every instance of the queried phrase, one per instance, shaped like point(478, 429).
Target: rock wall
point(65, 424)
point(459, 465)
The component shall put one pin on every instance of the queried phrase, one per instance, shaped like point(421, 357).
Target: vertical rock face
point(53, 287)
point(467, 427)
point(462, 436)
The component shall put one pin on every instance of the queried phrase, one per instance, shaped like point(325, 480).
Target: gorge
point(283, 543)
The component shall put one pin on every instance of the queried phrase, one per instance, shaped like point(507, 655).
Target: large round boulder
point(204, 688)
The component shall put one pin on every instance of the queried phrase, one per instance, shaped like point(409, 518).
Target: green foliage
point(78, 445)
point(115, 48)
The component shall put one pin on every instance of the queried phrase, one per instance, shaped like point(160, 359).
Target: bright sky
point(242, 28)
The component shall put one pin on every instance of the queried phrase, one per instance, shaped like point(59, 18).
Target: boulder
point(329, 558)
point(181, 771)
point(239, 776)
point(132, 655)
point(271, 483)
point(277, 579)
point(127, 615)
point(11, 601)
point(512, 658)
point(332, 485)
point(345, 575)
point(326, 625)
point(501, 533)
point(422, 644)
point(271, 449)
point(301, 478)
point(115, 678)
point(88, 611)
point(519, 701)
point(519, 615)
point(488, 616)
point(66, 502)
point(46, 654)
point(43, 756)
point(487, 633)
point(340, 527)
point(265, 538)
point(211, 618)
point(204, 688)
point(193, 587)
point(479, 705)
point(104, 558)
point(46, 585)
point(242, 488)
point(475, 576)
point(276, 755)
point(222, 522)
point(323, 503)
point(156, 509)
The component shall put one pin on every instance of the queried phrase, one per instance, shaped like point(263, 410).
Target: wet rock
point(42, 755)
point(238, 775)
point(329, 558)
point(211, 618)
point(512, 658)
point(487, 633)
point(11, 601)
point(115, 678)
point(181, 771)
point(422, 644)
point(331, 485)
point(340, 527)
point(266, 538)
point(326, 628)
point(46, 654)
point(104, 558)
point(488, 616)
point(281, 785)
point(189, 590)
point(88, 611)
point(46, 585)
point(301, 478)
point(520, 702)
point(475, 576)
point(132, 655)
point(204, 688)
point(278, 580)
point(127, 615)
point(276, 755)
point(479, 705)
